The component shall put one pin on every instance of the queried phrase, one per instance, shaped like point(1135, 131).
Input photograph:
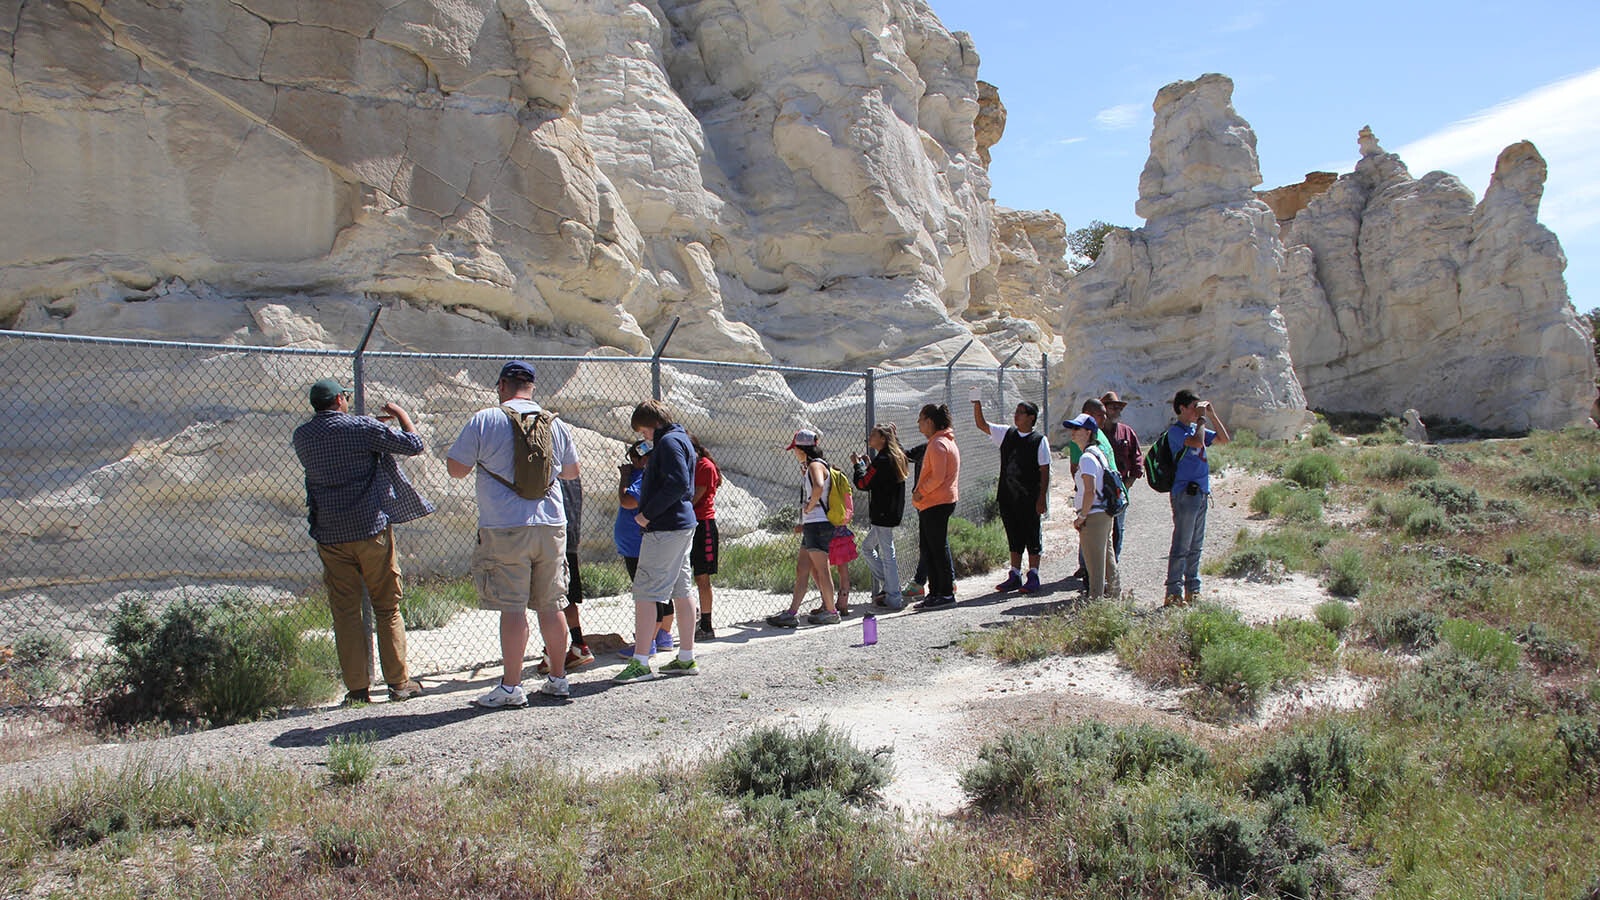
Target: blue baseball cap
point(517, 370)
point(1082, 420)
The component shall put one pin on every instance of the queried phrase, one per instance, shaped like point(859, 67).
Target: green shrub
point(1158, 655)
point(766, 566)
point(222, 664)
point(1347, 572)
point(1425, 521)
point(1306, 766)
point(1481, 643)
point(350, 757)
point(1269, 497)
point(1549, 486)
point(1581, 739)
point(1254, 563)
point(1400, 465)
point(976, 549)
point(36, 665)
point(1449, 496)
point(1233, 658)
point(1303, 506)
point(1322, 435)
point(785, 764)
point(1394, 509)
point(1446, 687)
point(780, 519)
point(1034, 769)
point(1547, 647)
point(606, 579)
point(1244, 855)
point(1314, 470)
point(1307, 641)
point(1335, 615)
point(1409, 628)
point(1092, 628)
point(1586, 478)
point(102, 806)
point(433, 605)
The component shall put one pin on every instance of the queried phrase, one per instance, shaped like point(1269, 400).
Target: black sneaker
point(705, 633)
point(935, 602)
point(355, 697)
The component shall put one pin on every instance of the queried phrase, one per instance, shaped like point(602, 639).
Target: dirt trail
point(916, 690)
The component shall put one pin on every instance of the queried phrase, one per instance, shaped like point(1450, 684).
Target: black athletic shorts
point(1022, 529)
point(703, 552)
point(574, 580)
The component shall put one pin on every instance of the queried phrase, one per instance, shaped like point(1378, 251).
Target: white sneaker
point(502, 697)
point(555, 687)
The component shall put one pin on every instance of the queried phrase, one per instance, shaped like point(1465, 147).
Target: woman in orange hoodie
point(935, 498)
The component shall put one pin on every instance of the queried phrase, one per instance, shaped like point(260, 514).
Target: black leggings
point(934, 525)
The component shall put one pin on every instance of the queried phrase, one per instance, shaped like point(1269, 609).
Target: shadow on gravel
point(384, 726)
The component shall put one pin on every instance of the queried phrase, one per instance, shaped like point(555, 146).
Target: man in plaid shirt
point(356, 494)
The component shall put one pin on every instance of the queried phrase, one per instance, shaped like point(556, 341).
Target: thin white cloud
point(1072, 140)
point(1116, 118)
point(1243, 22)
point(1557, 118)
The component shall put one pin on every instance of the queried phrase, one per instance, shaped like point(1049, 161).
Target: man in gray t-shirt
point(520, 560)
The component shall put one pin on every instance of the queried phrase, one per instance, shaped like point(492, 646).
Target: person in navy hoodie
point(666, 516)
point(1189, 437)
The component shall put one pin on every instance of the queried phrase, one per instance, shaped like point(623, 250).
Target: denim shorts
point(816, 536)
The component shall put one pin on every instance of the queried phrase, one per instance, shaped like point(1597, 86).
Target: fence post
point(1044, 401)
point(359, 366)
point(655, 361)
point(1000, 377)
point(872, 400)
point(949, 375)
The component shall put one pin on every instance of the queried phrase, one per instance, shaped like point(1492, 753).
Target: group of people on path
point(666, 534)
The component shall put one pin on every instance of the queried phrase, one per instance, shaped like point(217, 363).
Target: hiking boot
point(1173, 600)
point(823, 617)
point(1191, 597)
point(405, 690)
point(1031, 585)
point(705, 633)
point(878, 598)
point(502, 696)
point(681, 667)
point(785, 619)
point(633, 671)
point(555, 687)
point(912, 590)
point(936, 602)
point(1012, 582)
point(354, 698)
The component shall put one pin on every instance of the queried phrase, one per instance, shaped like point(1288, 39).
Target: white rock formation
point(1191, 299)
point(1401, 293)
point(590, 168)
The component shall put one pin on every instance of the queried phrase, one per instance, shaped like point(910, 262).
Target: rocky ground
point(915, 690)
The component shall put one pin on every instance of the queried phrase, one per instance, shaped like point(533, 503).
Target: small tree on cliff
point(1084, 244)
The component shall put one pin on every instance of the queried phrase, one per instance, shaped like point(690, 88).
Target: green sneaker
point(680, 667)
point(633, 671)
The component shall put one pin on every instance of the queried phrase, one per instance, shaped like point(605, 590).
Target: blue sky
point(1445, 85)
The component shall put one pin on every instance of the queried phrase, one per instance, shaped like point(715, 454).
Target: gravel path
point(916, 689)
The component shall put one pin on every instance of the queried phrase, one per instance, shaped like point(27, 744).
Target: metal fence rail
point(165, 469)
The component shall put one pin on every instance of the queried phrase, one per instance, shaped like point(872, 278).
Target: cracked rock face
point(1190, 300)
point(591, 167)
point(1404, 293)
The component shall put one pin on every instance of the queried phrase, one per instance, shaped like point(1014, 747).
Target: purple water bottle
point(869, 629)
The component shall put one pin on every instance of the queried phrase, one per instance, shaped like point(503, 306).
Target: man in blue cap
point(356, 494)
point(521, 559)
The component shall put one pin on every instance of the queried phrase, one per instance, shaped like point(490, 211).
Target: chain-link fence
point(165, 471)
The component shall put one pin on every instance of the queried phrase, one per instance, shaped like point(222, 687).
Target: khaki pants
point(346, 569)
point(1098, 557)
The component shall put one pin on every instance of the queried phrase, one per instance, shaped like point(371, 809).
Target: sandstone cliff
point(1402, 292)
point(798, 181)
point(1191, 298)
